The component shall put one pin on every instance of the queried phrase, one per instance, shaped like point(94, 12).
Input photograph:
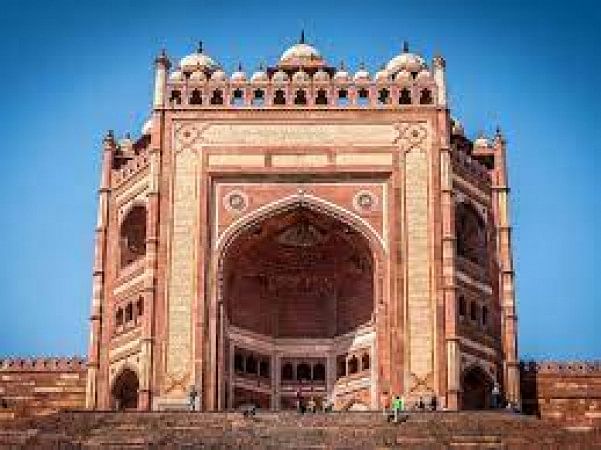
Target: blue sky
point(73, 69)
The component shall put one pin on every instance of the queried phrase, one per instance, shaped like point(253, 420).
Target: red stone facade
point(566, 392)
point(41, 385)
point(302, 231)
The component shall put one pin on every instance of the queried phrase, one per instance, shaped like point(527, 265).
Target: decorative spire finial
point(239, 66)
point(361, 65)
point(405, 47)
point(342, 67)
point(302, 38)
point(199, 47)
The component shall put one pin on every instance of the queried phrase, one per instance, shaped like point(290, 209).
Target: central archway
point(298, 290)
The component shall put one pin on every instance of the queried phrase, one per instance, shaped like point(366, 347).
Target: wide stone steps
point(289, 430)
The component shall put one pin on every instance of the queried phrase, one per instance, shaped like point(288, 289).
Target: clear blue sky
point(72, 70)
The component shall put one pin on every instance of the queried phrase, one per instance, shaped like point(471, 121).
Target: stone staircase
point(289, 430)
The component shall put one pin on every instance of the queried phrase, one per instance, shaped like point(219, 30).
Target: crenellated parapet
point(301, 79)
point(570, 368)
point(43, 364)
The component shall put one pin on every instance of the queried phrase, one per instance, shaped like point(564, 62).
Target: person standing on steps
point(397, 407)
point(496, 394)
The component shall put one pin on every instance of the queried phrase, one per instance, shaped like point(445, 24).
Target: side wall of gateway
point(41, 386)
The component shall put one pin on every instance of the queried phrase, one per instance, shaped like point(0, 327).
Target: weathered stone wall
point(39, 386)
point(569, 392)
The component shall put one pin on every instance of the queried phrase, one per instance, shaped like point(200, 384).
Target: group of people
point(312, 406)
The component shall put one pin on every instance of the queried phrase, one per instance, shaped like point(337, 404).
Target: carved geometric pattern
point(365, 201)
point(235, 202)
point(181, 287)
point(411, 135)
point(419, 308)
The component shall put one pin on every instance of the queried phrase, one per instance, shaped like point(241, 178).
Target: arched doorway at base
point(125, 390)
point(476, 389)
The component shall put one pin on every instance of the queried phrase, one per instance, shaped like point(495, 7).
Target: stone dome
point(481, 141)
point(457, 127)
point(197, 60)
point(301, 55)
point(321, 76)
point(219, 76)
point(260, 76)
point(362, 74)
point(176, 76)
point(424, 75)
point(147, 127)
point(239, 75)
point(406, 61)
point(280, 77)
point(198, 75)
point(382, 75)
point(403, 76)
point(301, 77)
point(341, 75)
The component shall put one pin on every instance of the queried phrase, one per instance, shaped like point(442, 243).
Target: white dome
point(481, 141)
point(280, 77)
point(147, 127)
point(321, 76)
point(238, 76)
point(424, 75)
point(382, 76)
point(300, 51)
point(407, 61)
point(198, 75)
point(402, 76)
point(362, 74)
point(176, 76)
point(219, 76)
point(457, 127)
point(259, 76)
point(342, 76)
point(197, 60)
point(301, 77)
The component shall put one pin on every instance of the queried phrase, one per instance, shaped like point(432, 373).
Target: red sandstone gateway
point(306, 230)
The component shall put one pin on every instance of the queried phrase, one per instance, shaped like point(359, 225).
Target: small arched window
point(176, 97)
point(405, 97)
point(300, 97)
point(140, 307)
point(303, 372)
point(133, 235)
point(383, 96)
point(474, 311)
point(322, 97)
point(425, 97)
point(119, 317)
point(251, 364)
point(279, 97)
point(342, 99)
point(217, 97)
point(238, 363)
point(484, 316)
point(462, 306)
point(341, 366)
point(238, 97)
point(287, 372)
point(258, 97)
point(365, 361)
point(353, 365)
point(196, 97)
point(363, 97)
point(129, 313)
point(319, 372)
point(264, 369)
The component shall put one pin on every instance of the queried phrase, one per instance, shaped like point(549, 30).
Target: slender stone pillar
point(109, 147)
point(506, 282)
